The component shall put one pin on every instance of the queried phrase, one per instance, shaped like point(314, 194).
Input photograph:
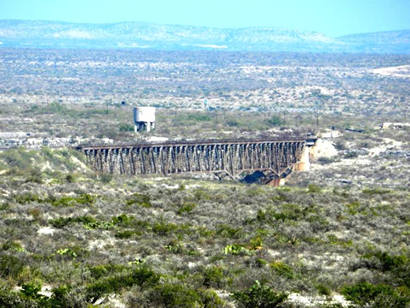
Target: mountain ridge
point(16, 33)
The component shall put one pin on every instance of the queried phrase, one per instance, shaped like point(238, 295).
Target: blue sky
point(332, 17)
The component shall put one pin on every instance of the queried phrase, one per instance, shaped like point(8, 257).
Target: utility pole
point(317, 106)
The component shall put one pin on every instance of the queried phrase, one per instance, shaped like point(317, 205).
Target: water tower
point(144, 118)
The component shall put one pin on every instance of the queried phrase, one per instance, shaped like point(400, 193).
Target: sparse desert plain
point(334, 236)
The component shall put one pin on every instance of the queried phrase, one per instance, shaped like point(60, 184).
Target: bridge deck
point(192, 142)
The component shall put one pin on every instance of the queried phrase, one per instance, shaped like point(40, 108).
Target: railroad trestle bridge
point(276, 155)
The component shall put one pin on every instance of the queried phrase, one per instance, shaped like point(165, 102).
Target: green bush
point(61, 222)
point(176, 295)
point(186, 208)
point(102, 270)
point(65, 201)
point(105, 178)
point(366, 294)
point(10, 266)
point(31, 290)
point(125, 127)
point(397, 266)
point(390, 262)
point(14, 299)
point(375, 191)
point(213, 277)
point(282, 269)
point(27, 197)
point(141, 276)
point(140, 199)
point(211, 299)
point(323, 290)
point(275, 121)
point(312, 188)
point(164, 228)
point(236, 250)
point(124, 234)
point(289, 211)
point(18, 158)
point(228, 231)
point(259, 296)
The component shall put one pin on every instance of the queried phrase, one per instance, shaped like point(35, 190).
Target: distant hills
point(53, 34)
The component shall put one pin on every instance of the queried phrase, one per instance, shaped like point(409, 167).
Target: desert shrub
point(31, 290)
point(375, 191)
point(289, 211)
point(18, 158)
point(213, 276)
point(27, 197)
point(61, 222)
point(164, 228)
point(105, 178)
point(390, 262)
point(176, 295)
point(125, 127)
point(211, 299)
point(397, 265)
point(102, 270)
point(259, 295)
point(142, 276)
point(175, 247)
point(366, 294)
point(186, 208)
point(72, 252)
point(228, 231)
point(202, 194)
point(4, 206)
point(140, 199)
point(10, 266)
point(198, 117)
point(60, 297)
point(82, 199)
point(122, 220)
point(255, 243)
point(334, 240)
point(35, 176)
point(124, 234)
point(282, 269)
point(323, 290)
point(14, 299)
point(275, 121)
point(261, 215)
point(353, 207)
point(12, 245)
point(70, 178)
point(236, 250)
point(312, 188)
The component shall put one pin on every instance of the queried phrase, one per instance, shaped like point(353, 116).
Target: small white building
point(144, 118)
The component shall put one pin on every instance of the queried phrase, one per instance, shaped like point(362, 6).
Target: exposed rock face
point(304, 163)
point(323, 148)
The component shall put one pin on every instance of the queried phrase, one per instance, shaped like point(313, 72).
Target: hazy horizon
point(330, 18)
point(189, 25)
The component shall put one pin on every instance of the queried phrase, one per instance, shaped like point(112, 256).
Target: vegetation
point(185, 242)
